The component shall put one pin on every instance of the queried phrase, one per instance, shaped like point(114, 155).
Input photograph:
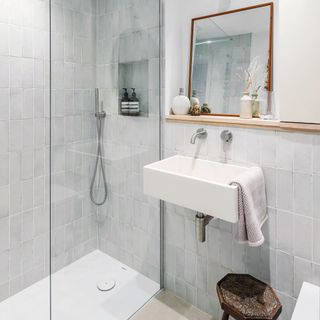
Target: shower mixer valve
point(99, 112)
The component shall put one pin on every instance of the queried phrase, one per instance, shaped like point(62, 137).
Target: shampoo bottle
point(134, 104)
point(255, 105)
point(124, 107)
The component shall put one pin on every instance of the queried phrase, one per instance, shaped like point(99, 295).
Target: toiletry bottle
point(255, 105)
point(194, 100)
point(134, 103)
point(246, 106)
point(181, 103)
point(125, 102)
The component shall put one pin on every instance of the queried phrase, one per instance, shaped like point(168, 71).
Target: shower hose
point(99, 159)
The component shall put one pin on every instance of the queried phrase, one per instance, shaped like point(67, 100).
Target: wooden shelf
point(245, 123)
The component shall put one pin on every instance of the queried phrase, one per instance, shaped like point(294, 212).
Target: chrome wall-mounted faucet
point(226, 136)
point(200, 133)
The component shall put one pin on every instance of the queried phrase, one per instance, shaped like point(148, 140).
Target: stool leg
point(225, 316)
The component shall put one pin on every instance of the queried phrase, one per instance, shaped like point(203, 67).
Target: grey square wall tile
point(4, 201)
point(190, 235)
point(15, 72)
point(303, 194)
point(284, 151)
point(16, 230)
point(190, 268)
point(316, 155)
point(4, 267)
point(27, 164)
point(4, 234)
point(201, 273)
point(303, 237)
point(180, 262)
point(285, 273)
point(238, 257)
point(316, 196)
point(269, 229)
point(284, 190)
point(303, 153)
point(4, 39)
point(316, 274)
point(213, 244)
point(4, 136)
point(174, 229)
point(316, 241)
point(15, 198)
point(16, 96)
point(4, 72)
point(225, 244)
point(268, 149)
point(16, 263)
point(27, 226)
point(180, 287)
point(288, 304)
point(271, 185)
point(285, 229)
point(27, 126)
point(302, 272)
point(4, 169)
point(4, 103)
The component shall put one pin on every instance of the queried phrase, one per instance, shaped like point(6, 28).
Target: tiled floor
point(166, 306)
point(75, 294)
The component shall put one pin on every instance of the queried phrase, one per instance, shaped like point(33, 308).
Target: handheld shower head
point(96, 100)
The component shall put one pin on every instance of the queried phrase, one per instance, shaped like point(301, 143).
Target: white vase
point(246, 106)
point(181, 104)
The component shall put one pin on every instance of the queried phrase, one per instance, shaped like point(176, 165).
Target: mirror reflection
point(230, 58)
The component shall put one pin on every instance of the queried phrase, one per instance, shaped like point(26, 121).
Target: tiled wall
point(24, 244)
point(74, 220)
point(130, 225)
point(291, 252)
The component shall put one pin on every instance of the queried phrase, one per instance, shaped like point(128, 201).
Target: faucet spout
point(200, 133)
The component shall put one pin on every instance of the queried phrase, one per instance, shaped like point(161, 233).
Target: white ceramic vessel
point(194, 100)
point(181, 104)
point(246, 106)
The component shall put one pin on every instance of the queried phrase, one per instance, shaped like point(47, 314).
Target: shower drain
point(106, 285)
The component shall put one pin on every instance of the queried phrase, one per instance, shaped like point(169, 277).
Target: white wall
point(177, 27)
point(300, 64)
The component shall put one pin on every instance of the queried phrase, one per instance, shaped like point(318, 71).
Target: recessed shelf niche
point(135, 74)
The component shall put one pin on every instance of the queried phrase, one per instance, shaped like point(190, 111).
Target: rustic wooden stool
point(246, 298)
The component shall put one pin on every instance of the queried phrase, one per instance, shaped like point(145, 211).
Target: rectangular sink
point(196, 184)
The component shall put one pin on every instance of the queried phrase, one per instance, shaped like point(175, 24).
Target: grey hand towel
point(252, 206)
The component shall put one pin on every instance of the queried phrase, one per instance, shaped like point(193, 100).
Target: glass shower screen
point(105, 117)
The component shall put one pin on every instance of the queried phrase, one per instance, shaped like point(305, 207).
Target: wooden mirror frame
point(270, 64)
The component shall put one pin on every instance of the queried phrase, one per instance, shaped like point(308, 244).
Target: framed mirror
point(231, 53)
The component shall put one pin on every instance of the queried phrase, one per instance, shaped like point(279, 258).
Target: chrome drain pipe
point(202, 221)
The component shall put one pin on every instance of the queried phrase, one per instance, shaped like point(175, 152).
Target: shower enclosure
point(78, 238)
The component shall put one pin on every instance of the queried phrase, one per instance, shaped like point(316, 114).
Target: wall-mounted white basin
point(196, 184)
